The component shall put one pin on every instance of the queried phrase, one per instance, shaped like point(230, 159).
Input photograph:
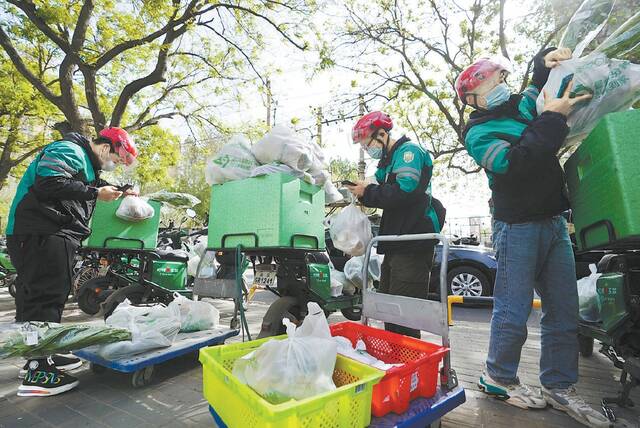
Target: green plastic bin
point(170, 275)
point(270, 211)
point(110, 231)
point(604, 184)
point(613, 307)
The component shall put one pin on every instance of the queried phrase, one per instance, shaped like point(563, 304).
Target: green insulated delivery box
point(604, 183)
point(269, 211)
point(110, 231)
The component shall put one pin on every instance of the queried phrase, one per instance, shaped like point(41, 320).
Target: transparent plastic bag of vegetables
point(175, 199)
point(297, 367)
point(613, 84)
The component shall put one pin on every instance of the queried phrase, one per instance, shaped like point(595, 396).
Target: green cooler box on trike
point(277, 221)
point(128, 262)
point(604, 184)
point(603, 177)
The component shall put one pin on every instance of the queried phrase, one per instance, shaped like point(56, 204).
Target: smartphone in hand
point(348, 183)
point(124, 187)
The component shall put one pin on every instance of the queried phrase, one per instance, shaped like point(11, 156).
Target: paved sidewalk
point(174, 399)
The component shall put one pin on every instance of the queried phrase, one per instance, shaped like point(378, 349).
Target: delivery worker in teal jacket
point(48, 219)
point(403, 191)
point(517, 148)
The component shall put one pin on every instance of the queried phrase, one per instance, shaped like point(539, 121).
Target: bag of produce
point(350, 230)
point(234, 161)
point(134, 208)
point(175, 199)
point(297, 367)
point(195, 315)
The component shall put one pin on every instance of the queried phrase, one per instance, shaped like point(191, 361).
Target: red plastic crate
point(418, 377)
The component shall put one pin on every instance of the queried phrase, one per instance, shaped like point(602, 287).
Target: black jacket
point(57, 194)
point(404, 212)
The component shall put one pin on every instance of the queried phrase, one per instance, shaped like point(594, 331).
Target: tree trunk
point(7, 149)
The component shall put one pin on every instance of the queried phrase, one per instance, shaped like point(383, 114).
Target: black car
point(471, 269)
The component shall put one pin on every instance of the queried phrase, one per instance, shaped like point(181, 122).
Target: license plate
point(264, 279)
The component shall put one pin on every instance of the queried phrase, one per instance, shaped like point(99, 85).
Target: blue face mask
point(375, 152)
point(497, 96)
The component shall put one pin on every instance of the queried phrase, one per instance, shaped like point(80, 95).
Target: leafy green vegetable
point(178, 200)
point(624, 43)
point(56, 338)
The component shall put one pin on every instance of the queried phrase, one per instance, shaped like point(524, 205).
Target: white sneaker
point(518, 395)
point(567, 400)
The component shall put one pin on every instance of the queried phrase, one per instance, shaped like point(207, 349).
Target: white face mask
point(106, 163)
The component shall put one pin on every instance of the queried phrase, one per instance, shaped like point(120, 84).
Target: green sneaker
point(518, 395)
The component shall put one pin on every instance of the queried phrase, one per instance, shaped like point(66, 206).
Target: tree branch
point(264, 18)
point(22, 68)
point(153, 121)
point(501, 35)
point(29, 9)
point(26, 155)
point(190, 13)
point(525, 78)
point(156, 76)
point(80, 32)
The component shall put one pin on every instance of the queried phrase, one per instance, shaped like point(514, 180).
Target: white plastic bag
point(276, 167)
point(234, 161)
point(298, 367)
point(348, 288)
point(282, 145)
point(350, 230)
point(331, 193)
point(151, 327)
point(588, 296)
point(195, 315)
point(359, 353)
point(134, 208)
point(614, 84)
point(353, 269)
point(192, 264)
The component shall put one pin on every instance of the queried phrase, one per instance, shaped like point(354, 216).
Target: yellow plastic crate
point(240, 406)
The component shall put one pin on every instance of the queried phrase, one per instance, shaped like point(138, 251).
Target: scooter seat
point(173, 255)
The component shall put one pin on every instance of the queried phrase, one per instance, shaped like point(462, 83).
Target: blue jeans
point(535, 255)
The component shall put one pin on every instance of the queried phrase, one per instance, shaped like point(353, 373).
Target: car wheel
point(468, 281)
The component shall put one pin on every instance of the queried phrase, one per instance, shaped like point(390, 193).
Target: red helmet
point(122, 144)
point(369, 123)
point(476, 74)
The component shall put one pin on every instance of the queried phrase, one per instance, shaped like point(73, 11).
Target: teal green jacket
point(57, 193)
point(404, 193)
point(517, 149)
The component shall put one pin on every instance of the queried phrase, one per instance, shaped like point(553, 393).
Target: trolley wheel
point(352, 314)
point(585, 344)
point(97, 368)
point(235, 323)
point(142, 377)
point(435, 424)
point(283, 307)
point(12, 286)
point(133, 292)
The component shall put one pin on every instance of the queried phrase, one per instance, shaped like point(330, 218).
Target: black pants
point(406, 274)
point(44, 267)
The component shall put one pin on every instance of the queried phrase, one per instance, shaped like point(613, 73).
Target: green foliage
point(201, 55)
point(343, 169)
point(25, 121)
